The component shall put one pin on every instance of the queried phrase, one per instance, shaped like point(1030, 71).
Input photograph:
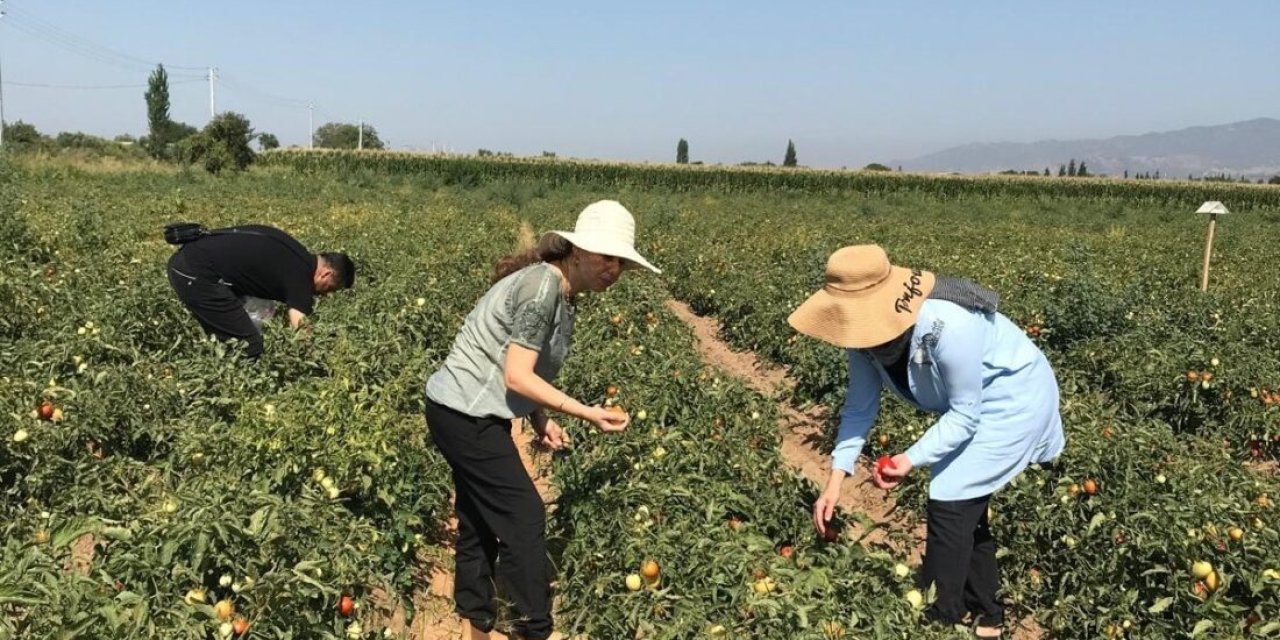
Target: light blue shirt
point(995, 391)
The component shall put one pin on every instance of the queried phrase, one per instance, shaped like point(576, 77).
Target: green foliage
point(1081, 307)
point(342, 135)
point(789, 160)
point(224, 144)
point(490, 166)
point(182, 463)
point(23, 136)
point(159, 126)
point(682, 151)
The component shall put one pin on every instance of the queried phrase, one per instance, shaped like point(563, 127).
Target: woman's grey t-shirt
point(524, 308)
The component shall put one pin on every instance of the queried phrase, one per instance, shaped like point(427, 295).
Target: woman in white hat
point(501, 366)
point(939, 344)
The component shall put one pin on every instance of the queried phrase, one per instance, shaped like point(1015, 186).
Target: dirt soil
point(435, 619)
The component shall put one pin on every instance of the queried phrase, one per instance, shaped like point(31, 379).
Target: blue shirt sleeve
point(958, 355)
point(861, 405)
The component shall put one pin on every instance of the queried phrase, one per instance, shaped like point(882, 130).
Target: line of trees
point(224, 143)
point(24, 137)
point(1071, 170)
point(788, 158)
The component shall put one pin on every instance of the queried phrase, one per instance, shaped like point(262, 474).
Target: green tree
point(344, 135)
point(159, 126)
point(789, 160)
point(23, 135)
point(179, 130)
point(682, 151)
point(1274, 180)
point(268, 141)
point(223, 144)
point(876, 166)
point(1062, 170)
point(1081, 171)
point(1071, 168)
point(78, 140)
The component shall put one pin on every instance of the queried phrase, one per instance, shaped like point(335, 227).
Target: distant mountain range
point(1250, 148)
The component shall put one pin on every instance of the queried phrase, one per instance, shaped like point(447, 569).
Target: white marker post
point(1213, 208)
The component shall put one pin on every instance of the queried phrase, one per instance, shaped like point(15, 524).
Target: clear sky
point(851, 82)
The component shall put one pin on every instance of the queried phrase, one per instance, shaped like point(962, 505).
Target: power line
point(42, 85)
point(240, 86)
point(32, 26)
point(49, 27)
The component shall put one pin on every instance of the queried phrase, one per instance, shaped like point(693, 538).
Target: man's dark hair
point(342, 266)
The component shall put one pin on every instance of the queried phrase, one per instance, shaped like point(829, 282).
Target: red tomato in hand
point(885, 462)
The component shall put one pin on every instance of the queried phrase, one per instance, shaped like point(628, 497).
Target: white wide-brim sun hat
point(607, 228)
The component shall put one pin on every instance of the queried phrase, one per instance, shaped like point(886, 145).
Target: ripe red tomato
point(884, 462)
point(610, 391)
point(240, 626)
point(46, 410)
point(346, 605)
point(1091, 486)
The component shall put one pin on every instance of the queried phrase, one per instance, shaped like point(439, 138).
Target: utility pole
point(311, 125)
point(213, 75)
point(360, 136)
point(1, 92)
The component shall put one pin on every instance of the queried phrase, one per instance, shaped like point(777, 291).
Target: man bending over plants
point(214, 271)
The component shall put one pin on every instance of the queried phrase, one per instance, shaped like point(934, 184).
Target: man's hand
point(296, 318)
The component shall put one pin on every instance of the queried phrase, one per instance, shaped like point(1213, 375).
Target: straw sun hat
point(866, 301)
point(607, 228)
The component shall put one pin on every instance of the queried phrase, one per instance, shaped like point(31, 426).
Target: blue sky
point(850, 82)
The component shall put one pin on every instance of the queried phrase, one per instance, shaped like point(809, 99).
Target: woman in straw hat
point(939, 344)
point(501, 366)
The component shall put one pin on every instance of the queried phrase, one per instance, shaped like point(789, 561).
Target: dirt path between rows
point(435, 619)
point(799, 430)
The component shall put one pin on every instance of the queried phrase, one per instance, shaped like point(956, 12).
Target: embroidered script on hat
point(912, 286)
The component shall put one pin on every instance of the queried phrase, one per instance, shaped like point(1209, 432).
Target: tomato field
point(154, 484)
